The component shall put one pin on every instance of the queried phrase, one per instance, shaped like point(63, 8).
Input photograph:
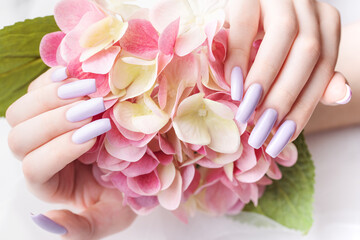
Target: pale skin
point(48, 155)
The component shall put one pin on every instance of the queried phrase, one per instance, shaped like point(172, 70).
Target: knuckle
point(13, 142)
point(28, 170)
point(312, 46)
point(305, 111)
point(288, 24)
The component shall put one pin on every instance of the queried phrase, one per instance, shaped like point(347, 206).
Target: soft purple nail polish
point(85, 110)
point(248, 105)
point(48, 225)
point(59, 74)
point(76, 89)
point(281, 138)
point(91, 130)
point(263, 128)
point(347, 97)
point(237, 84)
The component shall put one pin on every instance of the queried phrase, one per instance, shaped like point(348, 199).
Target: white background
point(337, 190)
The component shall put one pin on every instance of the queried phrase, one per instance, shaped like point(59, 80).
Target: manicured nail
point(48, 225)
point(263, 128)
point(248, 105)
point(59, 74)
point(237, 84)
point(91, 130)
point(76, 89)
point(347, 97)
point(281, 138)
point(85, 110)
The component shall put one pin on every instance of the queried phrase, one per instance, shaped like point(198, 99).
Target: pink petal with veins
point(145, 165)
point(102, 62)
point(141, 39)
point(68, 13)
point(49, 48)
point(145, 185)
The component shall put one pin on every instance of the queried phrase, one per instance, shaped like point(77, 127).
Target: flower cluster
point(174, 141)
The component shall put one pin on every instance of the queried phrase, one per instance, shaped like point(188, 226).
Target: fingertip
point(338, 92)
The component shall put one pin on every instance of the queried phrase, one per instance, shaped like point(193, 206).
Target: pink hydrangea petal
point(248, 158)
point(68, 13)
point(222, 38)
point(164, 158)
point(145, 165)
point(49, 48)
point(219, 199)
point(109, 103)
point(193, 185)
point(256, 173)
point(212, 176)
point(163, 60)
point(70, 46)
point(102, 62)
point(168, 37)
point(128, 153)
point(236, 209)
point(189, 41)
point(274, 171)
point(134, 136)
point(107, 161)
point(207, 163)
point(166, 146)
point(163, 91)
point(146, 185)
point(119, 180)
point(170, 198)
point(243, 191)
point(187, 174)
point(141, 39)
point(166, 174)
point(143, 205)
point(210, 31)
point(288, 156)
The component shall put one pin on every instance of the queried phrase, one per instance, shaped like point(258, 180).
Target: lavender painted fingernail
point(91, 130)
point(85, 110)
point(76, 89)
point(237, 84)
point(347, 97)
point(248, 105)
point(281, 138)
point(48, 225)
point(59, 74)
point(263, 128)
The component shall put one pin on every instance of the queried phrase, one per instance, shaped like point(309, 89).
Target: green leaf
point(289, 201)
point(20, 61)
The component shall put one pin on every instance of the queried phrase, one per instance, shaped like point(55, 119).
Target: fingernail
point(347, 97)
point(263, 128)
point(248, 105)
point(59, 74)
point(76, 89)
point(281, 138)
point(85, 110)
point(237, 84)
point(48, 225)
point(91, 130)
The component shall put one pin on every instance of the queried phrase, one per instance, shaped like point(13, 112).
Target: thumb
point(338, 92)
point(106, 217)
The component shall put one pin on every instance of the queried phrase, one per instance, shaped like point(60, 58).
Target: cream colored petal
point(229, 171)
point(166, 175)
point(191, 105)
point(192, 129)
point(219, 109)
point(123, 113)
point(225, 136)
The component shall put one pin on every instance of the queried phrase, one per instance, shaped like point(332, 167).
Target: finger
point(338, 92)
point(296, 71)
point(40, 165)
point(305, 105)
point(31, 134)
point(57, 74)
point(244, 23)
point(108, 216)
point(281, 28)
point(48, 98)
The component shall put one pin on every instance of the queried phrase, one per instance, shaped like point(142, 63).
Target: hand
point(292, 69)
point(51, 129)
